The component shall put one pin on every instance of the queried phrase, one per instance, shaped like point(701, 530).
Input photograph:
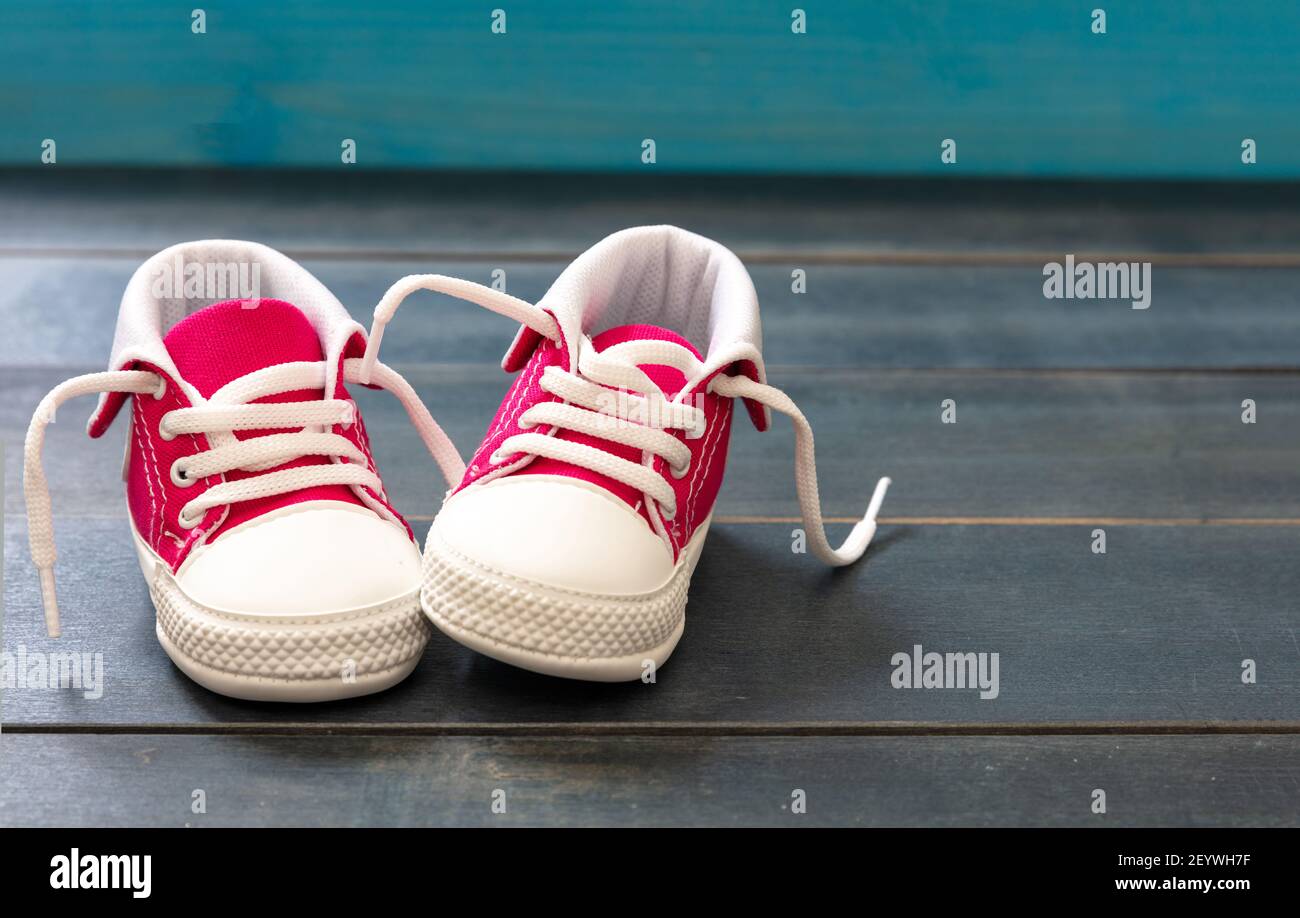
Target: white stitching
point(162, 491)
point(153, 505)
point(518, 400)
point(505, 413)
point(196, 533)
point(706, 456)
point(364, 442)
point(538, 370)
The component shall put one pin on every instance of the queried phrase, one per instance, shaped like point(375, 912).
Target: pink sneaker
point(277, 566)
point(568, 546)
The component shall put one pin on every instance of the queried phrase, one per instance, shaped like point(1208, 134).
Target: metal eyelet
point(162, 388)
point(162, 428)
point(179, 476)
point(186, 523)
point(679, 475)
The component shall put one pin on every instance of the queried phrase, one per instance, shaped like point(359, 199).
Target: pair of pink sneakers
point(278, 566)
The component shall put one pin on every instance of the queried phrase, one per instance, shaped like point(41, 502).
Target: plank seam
point(846, 257)
point(652, 729)
point(17, 516)
point(493, 371)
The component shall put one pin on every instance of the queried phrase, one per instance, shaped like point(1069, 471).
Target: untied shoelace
point(586, 408)
point(228, 410)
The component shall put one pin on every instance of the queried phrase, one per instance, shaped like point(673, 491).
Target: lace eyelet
point(162, 388)
point(163, 431)
point(186, 523)
point(179, 476)
point(679, 475)
point(668, 517)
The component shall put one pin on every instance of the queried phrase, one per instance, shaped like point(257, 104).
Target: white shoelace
point(639, 420)
point(229, 410)
point(636, 413)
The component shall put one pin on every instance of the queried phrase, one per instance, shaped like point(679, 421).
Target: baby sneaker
point(277, 566)
point(568, 546)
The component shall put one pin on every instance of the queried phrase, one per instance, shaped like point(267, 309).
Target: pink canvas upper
point(695, 492)
point(209, 349)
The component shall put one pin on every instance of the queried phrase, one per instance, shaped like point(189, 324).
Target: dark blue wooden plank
point(1154, 631)
point(650, 781)
point(1024, 445)
point(439, 215)
point(61, 312)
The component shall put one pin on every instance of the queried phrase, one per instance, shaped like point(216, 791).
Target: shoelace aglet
point(877, 498)
point(865, 529)
point(50, 601)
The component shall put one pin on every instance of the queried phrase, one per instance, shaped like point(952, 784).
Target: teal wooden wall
point(1024, 87)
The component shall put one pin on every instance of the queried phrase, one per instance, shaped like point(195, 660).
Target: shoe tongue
point(669, 379)
point(622, 333)
point(224, 341)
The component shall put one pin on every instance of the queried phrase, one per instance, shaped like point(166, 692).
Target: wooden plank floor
point(1153, 632)
point(649, 781)
point(1024, 446)
point(366, 214)
point(1120, 671)
point(879, 316)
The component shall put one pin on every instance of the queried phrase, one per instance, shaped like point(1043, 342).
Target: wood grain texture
point(1086, 414)
point(557, 216)
point(1089, 445)
point(641, 781)
point(867, 316)
point(1026, 88)
point(1155, 630)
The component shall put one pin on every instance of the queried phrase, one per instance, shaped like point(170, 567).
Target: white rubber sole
point(574, 635)
point(284, 658)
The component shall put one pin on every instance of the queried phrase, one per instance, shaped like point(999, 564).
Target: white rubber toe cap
point(311, 558)
point(556, 531)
